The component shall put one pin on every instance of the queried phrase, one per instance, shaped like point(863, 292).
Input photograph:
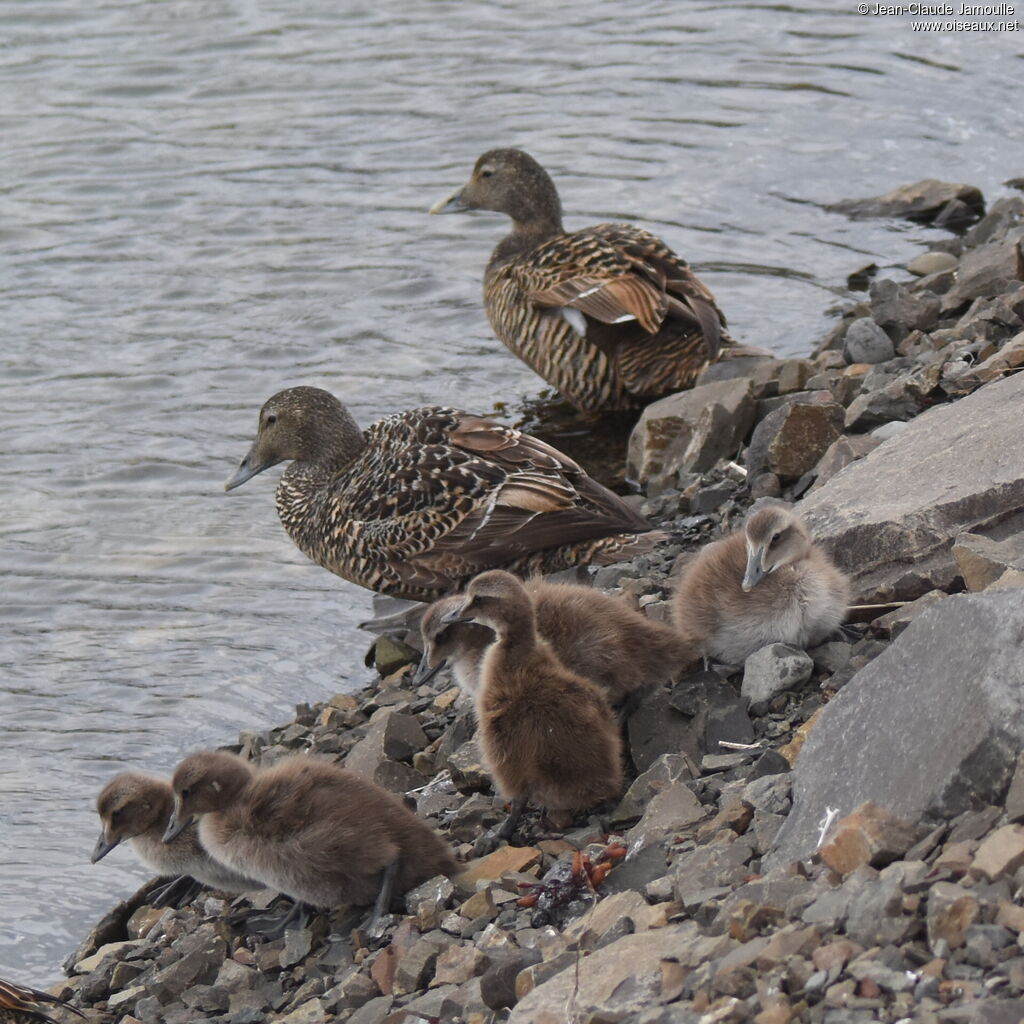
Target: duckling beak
point(176, 825)
point(455, 203)
point(424, 673)
point(247, 469)
point(754, 573)
point(456, 615)
point(103, 847)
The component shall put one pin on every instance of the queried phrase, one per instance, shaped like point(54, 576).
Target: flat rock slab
point(931, 726)
point(890, 519)
point(922, 201)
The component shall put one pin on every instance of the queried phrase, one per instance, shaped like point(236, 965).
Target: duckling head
point(205, 782)
point(304, 423)
point(443, 641)
point(496, 599)
point(507, 181)
point(776, 537)
point(128, 805)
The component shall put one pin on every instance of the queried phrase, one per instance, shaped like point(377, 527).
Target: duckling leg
point(177, 892)
point(273, 926)
point(629, 706)
point(383, 904)
point(515, 812)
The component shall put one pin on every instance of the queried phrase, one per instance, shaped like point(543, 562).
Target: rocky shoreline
point(829, 836)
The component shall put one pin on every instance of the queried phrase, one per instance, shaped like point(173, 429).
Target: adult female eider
point(424, 500)
point(609, 315)
point(20, 1005)
point(767, 583)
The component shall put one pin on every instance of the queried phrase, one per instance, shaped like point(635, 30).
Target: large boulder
point(931, 728)
point(890, 518)
point(690, 432)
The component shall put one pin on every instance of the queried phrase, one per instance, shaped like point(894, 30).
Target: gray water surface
point(203, 201)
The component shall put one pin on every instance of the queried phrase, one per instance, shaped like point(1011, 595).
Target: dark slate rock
point(942, 709)
point(791, 440)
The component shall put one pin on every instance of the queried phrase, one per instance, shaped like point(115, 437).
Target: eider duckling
point(320, 834)
point(609, 315)
point(137, 807)
point(20, 1005)
point(767, 583)
point(594, 634)
point(425, 499)
point(546, 734)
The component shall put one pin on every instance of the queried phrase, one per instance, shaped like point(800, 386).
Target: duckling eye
point(776, 537)
point(186, 793)
point(115, 816)
point(486, 172)
point(270, 420)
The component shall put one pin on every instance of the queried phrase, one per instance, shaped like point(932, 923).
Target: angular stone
point(657, 728)
point(467, 768)
point(898, 311)
point(668, 813)
point(429, 901)
point(416, 967)
point(389, 655)
point(870, 835)
point(866, 342)
point(689, 432)
point(457, 964)
point(609, 914)
point(393, 735)
point(951, 469)
point(951, 911)
point(840, 454)
point(893, 623)
point(985, 271)
point(773, 670)
point(942, 709)
point(625, 975)
point(494, 865)
point(902, 398)
point(1001, 854)
point(983, 560)
point(791, 440)
point(921, 201)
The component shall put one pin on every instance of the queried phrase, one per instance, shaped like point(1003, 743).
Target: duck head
point(128, 805)
point(776, 537)
point(507, 181)
point(495, 599)
point(444, 641)
point(210, 781)
point(305, 424)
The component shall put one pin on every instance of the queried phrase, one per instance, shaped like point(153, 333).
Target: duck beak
point(754, 573)
point(456, 615)
point(424, 673)
point(455, 203)
point(103, 847)
point(248, 468)
point(177, 824)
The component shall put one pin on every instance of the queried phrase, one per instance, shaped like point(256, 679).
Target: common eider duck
point(592, 633)
point(609, 315)
point(546, 734)
point(320, 834)
point(137, 807)
point(423, 500)
point(21, 1005)
point(767, 583)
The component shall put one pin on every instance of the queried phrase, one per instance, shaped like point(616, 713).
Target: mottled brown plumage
point(137, 807)
point(546, 734)
point(425, 499)
point(305, 827)
point(593, 634)
point(609, 315)
point(20, 1005)
point(767, 583)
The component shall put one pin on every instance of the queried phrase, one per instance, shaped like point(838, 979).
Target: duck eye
point(486, 172)
point(270, 420)
point(776, 537)
point(115, 816)
point(186, 793)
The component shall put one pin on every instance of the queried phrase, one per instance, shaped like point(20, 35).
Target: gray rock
point(840, 454)
point(922, 201)
point(983, 560)
point(467, 768)
point(393, 736)
point(986, 271)
point(889, 519)
point(866, 342)
point(666, 771)
point(902, 398)
point(669, 812)
point(689, 431)
point(791, 440)
point(657, 728)
point(773, 670)
point(898, 311)
point(942, 709)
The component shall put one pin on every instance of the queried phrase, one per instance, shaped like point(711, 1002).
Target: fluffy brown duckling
point(609, 315)
point(767, 583)
point(137, 807)
point(594, 634)
point(320, 834)
point(425, 499)
point(546, 734)
point(20, 1005)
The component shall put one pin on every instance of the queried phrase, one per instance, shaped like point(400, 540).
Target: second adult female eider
point(424, 500)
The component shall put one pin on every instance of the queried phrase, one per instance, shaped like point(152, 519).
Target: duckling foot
point(629, 706)
point(491, 840)
point(273, 926)
point(177, 892)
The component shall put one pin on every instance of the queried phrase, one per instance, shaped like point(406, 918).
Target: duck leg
point(177, 892)
point(372, 926)
point(493, 838)
point(273, 926)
